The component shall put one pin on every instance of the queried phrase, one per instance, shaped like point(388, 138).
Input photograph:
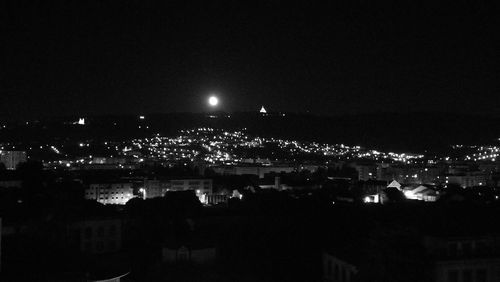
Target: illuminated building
point(203, 188)
point(421, 192)
point(394, 184)
point(102, 160)
point(366, 171)
point(430, 174)
point(109, 193)
point(468, 179)
point(262, 110)
point(309, 167)
point(252, 170)
point(215, 199)
point(80, 121)
point(371, 189)
point(11, 159)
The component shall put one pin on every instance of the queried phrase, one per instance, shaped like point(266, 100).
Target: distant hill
point(415, 132)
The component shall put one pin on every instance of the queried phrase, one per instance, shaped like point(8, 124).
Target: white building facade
point(110, 193)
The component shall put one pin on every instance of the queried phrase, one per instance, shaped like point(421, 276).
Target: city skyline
point(249, 141)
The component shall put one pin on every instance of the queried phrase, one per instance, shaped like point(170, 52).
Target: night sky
point(108, 57)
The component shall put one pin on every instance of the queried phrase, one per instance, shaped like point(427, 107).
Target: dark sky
point(100, 57)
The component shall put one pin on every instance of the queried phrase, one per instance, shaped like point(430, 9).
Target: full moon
point(213, 101)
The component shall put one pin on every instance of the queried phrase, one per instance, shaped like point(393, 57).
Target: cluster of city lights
point(222, 147)
point(477, 153)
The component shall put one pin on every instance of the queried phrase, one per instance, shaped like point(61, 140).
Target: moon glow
point(213, 101)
